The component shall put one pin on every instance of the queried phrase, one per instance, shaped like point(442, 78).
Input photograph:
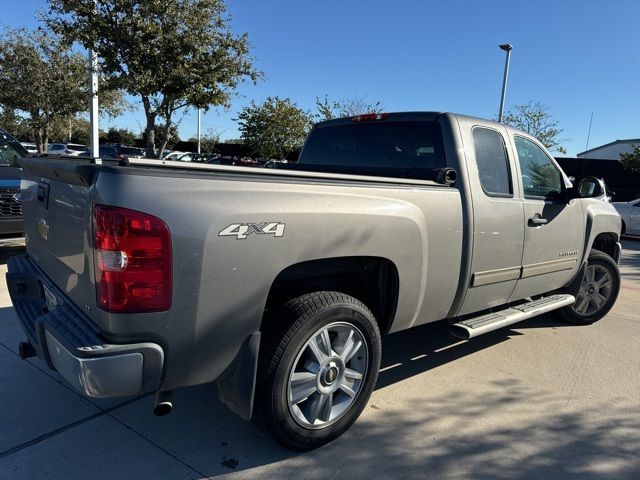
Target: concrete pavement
point(539, 400)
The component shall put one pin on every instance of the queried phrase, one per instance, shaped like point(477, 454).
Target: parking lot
point(538, 400)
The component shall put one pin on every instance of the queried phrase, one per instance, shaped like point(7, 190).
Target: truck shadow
point(541, 440)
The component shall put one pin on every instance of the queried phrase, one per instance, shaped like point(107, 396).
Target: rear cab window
point(492, 162)
point(405, 149)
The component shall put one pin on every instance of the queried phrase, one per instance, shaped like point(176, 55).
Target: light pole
point(94, 134)
point(93, 105)
point(507, 48)
point(199, 118)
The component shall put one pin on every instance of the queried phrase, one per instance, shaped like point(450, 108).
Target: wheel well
point(606, 242)
point(372, 280)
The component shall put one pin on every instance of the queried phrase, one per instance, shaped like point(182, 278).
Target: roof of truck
point(396, 116)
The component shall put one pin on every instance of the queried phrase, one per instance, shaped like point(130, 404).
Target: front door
point(553, 226)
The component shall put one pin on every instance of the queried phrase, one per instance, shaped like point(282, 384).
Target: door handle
point(537, 221)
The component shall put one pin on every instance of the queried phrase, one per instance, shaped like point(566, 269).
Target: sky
point(576, 57)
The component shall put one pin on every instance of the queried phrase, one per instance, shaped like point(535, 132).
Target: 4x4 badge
point(243, 230)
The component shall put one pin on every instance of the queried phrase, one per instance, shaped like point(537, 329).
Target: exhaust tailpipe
point(163, 403)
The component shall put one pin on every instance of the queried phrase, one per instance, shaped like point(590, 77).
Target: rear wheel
point(318, 368)
point(598, 291)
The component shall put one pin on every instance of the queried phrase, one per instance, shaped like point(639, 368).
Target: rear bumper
point(70, 343)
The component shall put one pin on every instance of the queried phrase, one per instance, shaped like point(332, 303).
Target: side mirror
point(590, 187)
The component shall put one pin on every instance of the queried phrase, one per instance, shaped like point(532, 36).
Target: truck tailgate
point(58, 226)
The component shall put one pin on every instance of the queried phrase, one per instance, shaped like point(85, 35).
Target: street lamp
point(507, 48)
point(198, 135)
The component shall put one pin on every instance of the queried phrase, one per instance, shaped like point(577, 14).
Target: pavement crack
point(63, 429)
point(158, 446)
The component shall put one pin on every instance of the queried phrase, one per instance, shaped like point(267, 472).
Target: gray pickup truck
point(148, 276)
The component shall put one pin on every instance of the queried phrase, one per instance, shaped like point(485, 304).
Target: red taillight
point(370, 117)
point(132, 252)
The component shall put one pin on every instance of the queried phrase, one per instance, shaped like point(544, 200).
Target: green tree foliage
point(70, 129)
point(120, 135)
point(631, 160)
point(167, 136)
point(208, 141)
point(168, 53)
point(274, 128)
point(15, 124)
point(535, 119)
point(44, 81)
point(328, 109)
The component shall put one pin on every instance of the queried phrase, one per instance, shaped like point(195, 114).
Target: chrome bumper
point(71, 344)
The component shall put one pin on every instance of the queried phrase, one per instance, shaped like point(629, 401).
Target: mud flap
point(236, 385)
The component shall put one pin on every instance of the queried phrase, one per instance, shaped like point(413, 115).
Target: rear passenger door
point(497, 218)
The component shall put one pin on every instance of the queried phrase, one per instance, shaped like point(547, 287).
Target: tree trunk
point(167, 127)
point(45, 136)
point(150, 129)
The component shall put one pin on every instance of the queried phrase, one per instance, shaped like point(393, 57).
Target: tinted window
point(10, 152)
point(402, 149)
point(540, 177)
point(107, 151)
point(492, 161)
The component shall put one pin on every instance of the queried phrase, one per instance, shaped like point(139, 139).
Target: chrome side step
point(473, 327)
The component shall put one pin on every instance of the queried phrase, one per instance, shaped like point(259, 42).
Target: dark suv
point(10, 208)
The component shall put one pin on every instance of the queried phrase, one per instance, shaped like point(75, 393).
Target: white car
point(72, 149)
point(630, 213)
point(31, 147)
point(174, 156)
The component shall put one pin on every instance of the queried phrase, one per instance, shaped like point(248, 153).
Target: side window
point(492, 161)
point(540, 177)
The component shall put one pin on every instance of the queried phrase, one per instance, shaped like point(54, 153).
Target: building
point(611, 151)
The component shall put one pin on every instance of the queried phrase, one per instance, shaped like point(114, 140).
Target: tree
point(631, 160)
point(120, 135)
point(42, 78)
point(535, 119)
point(166, 136)
point(347, 108)
point(15, 124)
point(168, 53)
point(70, 129)
point(208, 141)
point(274, 128)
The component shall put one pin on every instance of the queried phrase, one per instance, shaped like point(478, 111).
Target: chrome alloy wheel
point(327, 375)
point(595, 291)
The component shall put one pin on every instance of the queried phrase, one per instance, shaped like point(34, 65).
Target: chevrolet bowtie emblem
point(43, 228)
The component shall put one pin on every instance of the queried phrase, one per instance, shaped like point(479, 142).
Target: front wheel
point(318, 366)
point(598, 291)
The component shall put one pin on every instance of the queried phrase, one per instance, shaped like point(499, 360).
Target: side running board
point(473, 327)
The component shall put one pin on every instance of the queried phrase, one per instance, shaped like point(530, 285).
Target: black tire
point(599, 260)
point(283, 344)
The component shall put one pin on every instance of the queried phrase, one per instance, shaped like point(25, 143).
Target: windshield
point(10, 152)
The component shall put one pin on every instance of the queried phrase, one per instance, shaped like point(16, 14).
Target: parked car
point(277, 283)
point(30, 147)
point(68, 149)
point(11, 150)
point(174, 156)
point(630, 213)
point(116, 151)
